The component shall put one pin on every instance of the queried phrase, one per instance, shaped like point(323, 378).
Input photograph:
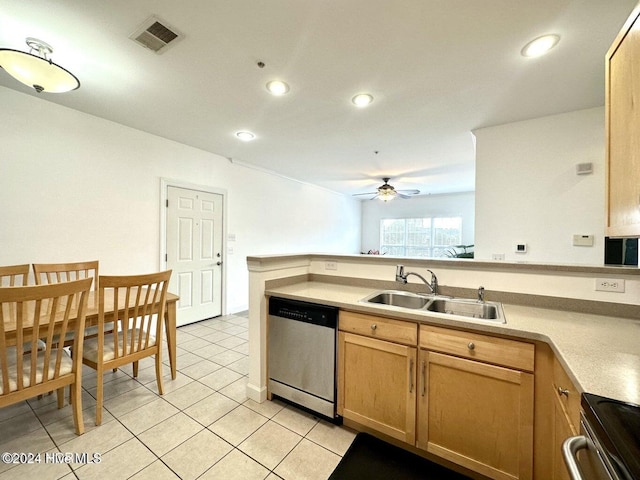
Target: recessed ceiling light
point(540, 45)
point(277, 87)
point(245, 136)
point(362, 99)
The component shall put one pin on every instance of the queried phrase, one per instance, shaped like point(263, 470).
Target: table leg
point(170, 328)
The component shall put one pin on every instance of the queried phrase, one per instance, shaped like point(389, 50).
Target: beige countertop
point(601, 353)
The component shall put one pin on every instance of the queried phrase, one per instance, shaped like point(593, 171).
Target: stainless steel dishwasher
point(301, 343)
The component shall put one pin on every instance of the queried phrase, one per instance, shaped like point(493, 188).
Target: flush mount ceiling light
point(277, 87)
point(36, 70)
point(540, 45)
point(362, 99)
point(245, 136)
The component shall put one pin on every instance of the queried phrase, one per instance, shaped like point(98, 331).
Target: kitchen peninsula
point(595, 334)
point(584, 340)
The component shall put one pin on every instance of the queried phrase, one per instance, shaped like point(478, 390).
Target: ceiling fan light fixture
point(277, 87)
point(387, 195)
point(245, 135)
point(541, 45)
point(362, 99)
point(36, 70)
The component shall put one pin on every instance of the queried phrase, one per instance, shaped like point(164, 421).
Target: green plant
point(454, 251)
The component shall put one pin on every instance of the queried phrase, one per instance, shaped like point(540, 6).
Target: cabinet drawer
point(379, 327)
point(567, 394)
point(475, 346)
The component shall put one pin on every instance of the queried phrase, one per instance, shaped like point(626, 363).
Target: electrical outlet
point(609, 285)
point(330, 265)
point(497, 256)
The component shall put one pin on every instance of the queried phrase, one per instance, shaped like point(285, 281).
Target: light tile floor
point(202, 427)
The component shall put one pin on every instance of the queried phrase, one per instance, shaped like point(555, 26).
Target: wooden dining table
point(91, 319)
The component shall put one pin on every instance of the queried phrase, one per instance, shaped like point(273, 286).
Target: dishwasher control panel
point(314, 313)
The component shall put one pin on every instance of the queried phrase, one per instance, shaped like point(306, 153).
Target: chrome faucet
point(402, 278)
point(481, 294)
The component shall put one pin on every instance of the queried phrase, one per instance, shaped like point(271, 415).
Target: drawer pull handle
point(563, 391)
point(424, 378)
point(374, 326)
point(471, 346)
point(411, 376)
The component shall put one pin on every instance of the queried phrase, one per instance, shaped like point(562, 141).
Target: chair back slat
point(47, 273)
point(28, 314)
point(14, 275)
point(50, 273)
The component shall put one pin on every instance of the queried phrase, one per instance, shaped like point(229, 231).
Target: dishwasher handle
point(570, 449)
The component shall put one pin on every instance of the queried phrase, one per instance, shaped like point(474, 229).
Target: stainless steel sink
point(465, 308)
point(462, 308)
point(398, 299)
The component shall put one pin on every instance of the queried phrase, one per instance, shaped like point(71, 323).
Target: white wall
point(76, 187)
point(527, 189)
point(455, 204)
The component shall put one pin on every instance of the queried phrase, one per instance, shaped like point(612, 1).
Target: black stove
point(616, 425)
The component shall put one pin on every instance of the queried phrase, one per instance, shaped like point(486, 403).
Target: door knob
point(218, 263)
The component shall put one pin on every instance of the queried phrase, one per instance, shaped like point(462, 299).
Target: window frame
point(431, 248)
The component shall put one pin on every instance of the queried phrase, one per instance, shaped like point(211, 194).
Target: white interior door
point(194, 252)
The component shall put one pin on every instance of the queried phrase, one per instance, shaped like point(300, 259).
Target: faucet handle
point(481, 294)
point(400, 274)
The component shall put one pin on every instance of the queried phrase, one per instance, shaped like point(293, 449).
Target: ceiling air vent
point(155, 35)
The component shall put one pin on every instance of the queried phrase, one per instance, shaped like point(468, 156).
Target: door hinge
point(166, 257)
point(167, 203)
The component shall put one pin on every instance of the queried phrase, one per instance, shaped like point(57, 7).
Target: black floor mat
point(369, 458)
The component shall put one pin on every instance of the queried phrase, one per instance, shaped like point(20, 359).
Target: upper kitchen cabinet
point(623, 131)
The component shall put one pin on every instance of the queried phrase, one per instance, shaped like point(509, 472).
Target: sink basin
point(399, 299)
point(463, 308)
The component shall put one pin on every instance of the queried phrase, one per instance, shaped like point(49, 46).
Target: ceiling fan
point(386, 192)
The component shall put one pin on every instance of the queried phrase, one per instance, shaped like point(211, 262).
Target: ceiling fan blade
point(402, 195)
point(409, 192)
point(358, 194)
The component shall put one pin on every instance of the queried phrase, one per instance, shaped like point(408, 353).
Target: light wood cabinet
point(464, 397)
point(562, 430)
point(475, 403)
point(622, 131)
point(377, 378)
point(566, 418)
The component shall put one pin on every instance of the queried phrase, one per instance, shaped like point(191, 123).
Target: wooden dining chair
point(41, 311)
point(48, 273)
point(139, 301)
point(14, 275)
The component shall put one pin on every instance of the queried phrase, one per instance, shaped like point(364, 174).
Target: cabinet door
point(562, 430)
point(377, 385)
point(622, 126)
point(477, 415)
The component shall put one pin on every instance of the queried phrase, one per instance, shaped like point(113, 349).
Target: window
point(419, 237)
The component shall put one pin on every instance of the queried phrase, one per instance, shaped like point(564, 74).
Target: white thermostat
point(583, 240)
point(521, 248)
